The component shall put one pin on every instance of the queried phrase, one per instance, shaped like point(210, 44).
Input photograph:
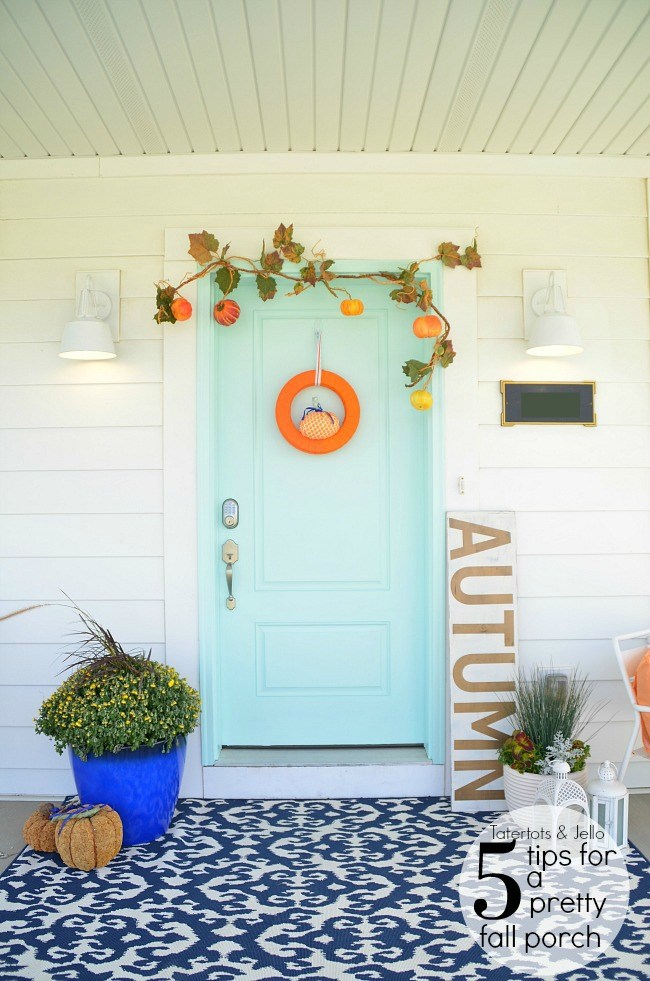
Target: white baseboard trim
point(311, 782)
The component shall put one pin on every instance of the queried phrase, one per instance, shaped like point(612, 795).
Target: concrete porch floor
point(13, 815)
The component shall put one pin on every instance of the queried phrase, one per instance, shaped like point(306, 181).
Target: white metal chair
point(628, 659)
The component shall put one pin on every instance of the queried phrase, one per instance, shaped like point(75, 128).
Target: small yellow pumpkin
point(427, 326)
point(39, 831)
point(421, 400)
point(90, 839)
point(351, 308)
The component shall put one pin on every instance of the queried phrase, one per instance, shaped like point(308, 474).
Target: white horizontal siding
point(85, 579)
point(43, 406)
point(35, 783)
point(430, 195)
point(592, 277)
point(35, 364)
point(80, 477)
point(38, 321)
point(81, 504)
point(81, 492)
point(594, 655)
point(24, 665)
point(502, 316)
point(88, 448)
point(581, 617)
point(96, 535)
point(133, 621)
point(53, 278)
point(585, 533)
point(502, 235)
point(564, 489)
point(583, 575)
point(582, 495)
point(565, 446)
point(630, 363)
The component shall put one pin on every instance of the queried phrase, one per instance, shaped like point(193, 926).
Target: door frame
point(210, 531)
point(185, 488)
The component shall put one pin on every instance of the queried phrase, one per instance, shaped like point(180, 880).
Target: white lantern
point(560, 794)
point(609, 803)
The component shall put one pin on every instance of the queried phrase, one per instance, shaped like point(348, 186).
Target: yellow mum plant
point(115, 699)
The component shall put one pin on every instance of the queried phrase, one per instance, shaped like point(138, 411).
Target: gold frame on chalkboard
point(527, 382)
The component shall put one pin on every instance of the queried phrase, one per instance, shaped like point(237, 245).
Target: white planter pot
point(521, 788)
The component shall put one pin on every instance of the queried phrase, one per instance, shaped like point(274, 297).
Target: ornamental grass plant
point(115, 699)
point(549, 719)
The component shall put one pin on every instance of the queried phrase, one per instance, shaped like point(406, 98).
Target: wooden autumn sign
point(482, 576)
point(285, 261)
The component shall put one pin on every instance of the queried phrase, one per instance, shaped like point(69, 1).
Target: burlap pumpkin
point(89, 840)
point(38, 830)
point(316, 423)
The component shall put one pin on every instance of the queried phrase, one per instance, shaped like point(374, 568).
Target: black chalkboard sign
point(548, 403)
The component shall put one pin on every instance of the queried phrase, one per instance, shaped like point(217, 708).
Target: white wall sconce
point(550, 331)
point(92, 334)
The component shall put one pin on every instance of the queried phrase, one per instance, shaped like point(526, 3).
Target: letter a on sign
point(482, 604)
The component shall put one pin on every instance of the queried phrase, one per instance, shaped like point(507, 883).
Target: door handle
point(230, 554)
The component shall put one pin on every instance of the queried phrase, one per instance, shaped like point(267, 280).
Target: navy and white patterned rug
point(355, 890)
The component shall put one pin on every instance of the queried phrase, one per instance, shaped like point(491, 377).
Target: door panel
point(327, 642)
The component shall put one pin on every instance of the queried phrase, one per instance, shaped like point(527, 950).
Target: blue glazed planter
point(141, 785)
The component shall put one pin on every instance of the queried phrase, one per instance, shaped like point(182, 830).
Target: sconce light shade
point(87, 340)
point(89, 337)
point(554, 333)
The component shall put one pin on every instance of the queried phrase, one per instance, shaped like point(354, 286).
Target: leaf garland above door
point(405, 288)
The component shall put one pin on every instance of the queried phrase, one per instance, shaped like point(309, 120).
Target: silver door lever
point(230, 554)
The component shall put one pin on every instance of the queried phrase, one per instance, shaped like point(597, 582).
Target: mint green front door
point(328, 640)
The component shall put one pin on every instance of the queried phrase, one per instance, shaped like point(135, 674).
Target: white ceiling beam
point(378, 163)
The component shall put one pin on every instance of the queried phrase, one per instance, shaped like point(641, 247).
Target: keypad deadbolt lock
point(230, 513)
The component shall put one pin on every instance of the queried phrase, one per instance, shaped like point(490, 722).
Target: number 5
point(513, 892)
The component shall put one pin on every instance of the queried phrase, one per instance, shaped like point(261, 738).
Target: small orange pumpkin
point(421, 400)
point(427, 326)
point(39, 831)
point(181, 308)
point(316, 423)
point(89, 840)
point(351, 308)
point(226, 312)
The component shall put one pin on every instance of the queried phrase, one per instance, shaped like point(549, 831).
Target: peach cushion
point(641, 686)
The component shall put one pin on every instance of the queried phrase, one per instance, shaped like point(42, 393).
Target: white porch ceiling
point(133, 77)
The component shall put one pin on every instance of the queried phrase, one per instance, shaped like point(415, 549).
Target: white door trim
point(179, 420)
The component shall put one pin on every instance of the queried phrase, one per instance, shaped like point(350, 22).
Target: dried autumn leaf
point(202, 247)
point(448, 354)
point(266, 286)
point(415, 371)
point(426, 298)
point(471, 258)
point(448, 254)
point(404, 294)
point(407, 275)
point(282, 235)
point(293, 251)
point(308, 273)
point(324, 274)
point(272, 261)
point(164, 297)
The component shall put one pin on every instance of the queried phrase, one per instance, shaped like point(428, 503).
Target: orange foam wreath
point(335, 384)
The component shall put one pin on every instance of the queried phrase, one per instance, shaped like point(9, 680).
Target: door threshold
point(321, 756)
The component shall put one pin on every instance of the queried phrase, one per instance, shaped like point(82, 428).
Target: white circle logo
point(544, 893)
